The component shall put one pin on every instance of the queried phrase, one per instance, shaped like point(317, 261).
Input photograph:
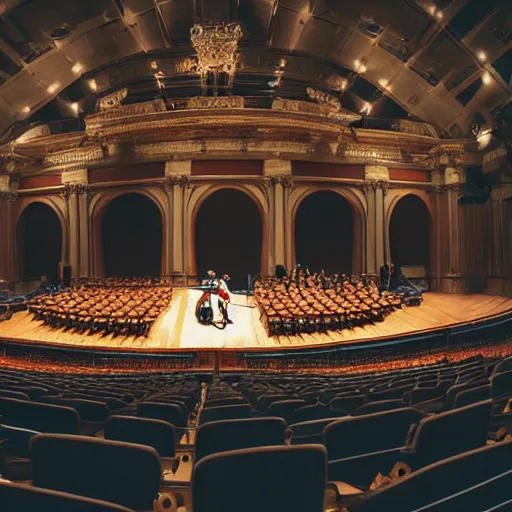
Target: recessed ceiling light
point(439, 15)
point(481, 56)
point(93, 85)
point(77, 68)
point(75, 107)
point(154, 64)
point(486, 78)
point(383, 82)
point(344, 84)
point(26, 109)
point(53, 87)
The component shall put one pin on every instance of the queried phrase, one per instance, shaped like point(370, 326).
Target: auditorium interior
point(255, 255)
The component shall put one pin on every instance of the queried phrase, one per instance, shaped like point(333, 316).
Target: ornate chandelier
point(216, 47)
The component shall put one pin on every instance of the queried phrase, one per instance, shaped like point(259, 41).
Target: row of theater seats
point(259, 442)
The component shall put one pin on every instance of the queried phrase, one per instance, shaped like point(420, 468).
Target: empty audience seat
point(221, 436)
point(123, 473)
point(228, 412)
point(271, 479)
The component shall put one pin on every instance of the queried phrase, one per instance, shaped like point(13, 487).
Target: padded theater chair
point(310, 432)
point(221, 436)
point(355, 435)
point(220, 402)
point(171, 413)
point(434, 438)
point(478, 480)
point(18, 498)
point(284, 409)
point(228, 412)
point(158, 434)
point(380, 406)
point(123, 473)
point(39, 417)
point(313, 412)
point(15, 463)
point(270, 479)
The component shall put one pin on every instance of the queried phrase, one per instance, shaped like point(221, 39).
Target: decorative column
point(377, 237)
point(278, 181)
point(499, 281)
point(8, 199)
point(447, 272)
point(177, 181)
point(76, 193)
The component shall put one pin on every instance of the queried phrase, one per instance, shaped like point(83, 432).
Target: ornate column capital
point(176, 180)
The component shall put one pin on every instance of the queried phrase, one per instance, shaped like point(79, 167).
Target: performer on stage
point(224, 298)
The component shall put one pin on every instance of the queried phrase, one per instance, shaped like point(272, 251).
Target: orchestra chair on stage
point(449, 485)
point(270, 479)
point(123, 473)
point(225, 435)
point(433, 438)
point(228, 412)
point(16, 498)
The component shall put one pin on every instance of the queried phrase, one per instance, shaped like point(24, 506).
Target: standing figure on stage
point(224, 298)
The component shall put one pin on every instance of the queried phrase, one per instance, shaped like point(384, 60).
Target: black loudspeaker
point(65, 275)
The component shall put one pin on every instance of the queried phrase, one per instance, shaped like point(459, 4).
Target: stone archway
point(131, 228)
point(325, 232)
point(410, 232)
point(228, 235)
point(39, 240)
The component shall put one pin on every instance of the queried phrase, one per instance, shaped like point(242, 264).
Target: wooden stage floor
point(177, 328)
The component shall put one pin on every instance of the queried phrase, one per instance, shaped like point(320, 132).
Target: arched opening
point(229, 236)
point(409, 232)
point(324, 233)
point(39, 242)
point(132, 237)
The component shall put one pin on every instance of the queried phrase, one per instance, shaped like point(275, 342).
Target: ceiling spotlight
point(154, 64)
point(439, 15)
point(77, 68)
point(360, 66)
point(75, 107)
point(486, 78)
point(432, 9)
point(53, 87)
point(93, 85)
point(25, 109)
point(481, 56)
point(344, 84)
point(384, 82)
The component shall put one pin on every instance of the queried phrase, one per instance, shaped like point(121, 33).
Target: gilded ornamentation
point(216, 102)
point(9, 197)
point(167, 148)
point(321, 110)
point(182, 181)
point(216, 47)
point(112, 100)
point(187, 65)
point(367, 153)
point(78, 157)
point(324, 98)
point(77, 189)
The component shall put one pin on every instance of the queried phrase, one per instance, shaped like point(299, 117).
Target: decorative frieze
point(112, 100)
point(77, 157)
point(167, 148)
point(216, 102)
point(366, 153)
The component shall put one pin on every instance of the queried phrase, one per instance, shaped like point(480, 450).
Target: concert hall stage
point(177, 328)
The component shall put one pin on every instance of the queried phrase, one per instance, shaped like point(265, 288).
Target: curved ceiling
point(442, 61)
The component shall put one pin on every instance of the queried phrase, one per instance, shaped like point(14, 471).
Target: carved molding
point(216, 102)
point(77, 189)
point(112, 100)
point(80, 157)
point(324, 98)
point(178, 168)
point(277, 168)
point(8, 197)
point(366, 153)
point(182, 181)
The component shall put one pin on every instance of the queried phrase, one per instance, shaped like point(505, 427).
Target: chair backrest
point(369, 433)
point(503, 366)
point(452, 432)
point(379, 406)
point(502, 384)
point(221, 436)
point(460, 477)
point(232, 400)
point(16, 440)
point(310, 432)
point(123, 473)
point(472, 395)
point(270, 479)
point(15, 498)
point(172, 413)
point(88, 410)
point(284, 409)
point(228, 412)
point(18, 395)
point(39, 417)
point(158, 434)
point(265, 401)
point(312, 412)
point(347, 403)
